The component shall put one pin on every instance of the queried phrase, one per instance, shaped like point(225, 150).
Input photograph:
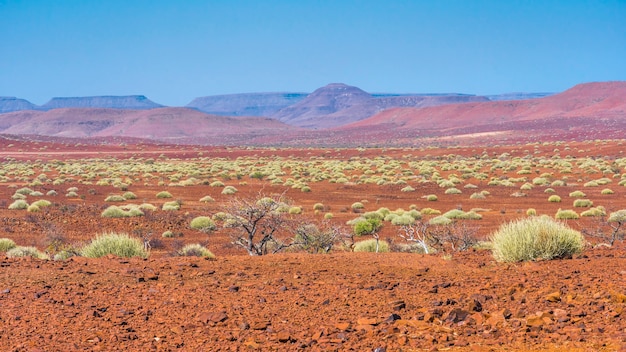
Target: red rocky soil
point(341, 301)
point(337, 302)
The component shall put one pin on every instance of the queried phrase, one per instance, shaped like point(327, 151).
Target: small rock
point(457, 315)
point(366, 321)
point(6, 290)
point(342, 326)
point(554, 297)
point(233, 289)
point(259, 325)
point(283, 336)
point(392, 318)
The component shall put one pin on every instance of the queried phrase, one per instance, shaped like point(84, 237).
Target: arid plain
point(294, 300)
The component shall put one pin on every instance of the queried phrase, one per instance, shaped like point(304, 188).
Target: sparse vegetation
point(535, 238)
point(121, 245)
point(195, 250)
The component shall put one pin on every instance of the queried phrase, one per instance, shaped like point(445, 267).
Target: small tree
point(369, 226)
point(416, 232)
point(319, 238)
point(256, 224)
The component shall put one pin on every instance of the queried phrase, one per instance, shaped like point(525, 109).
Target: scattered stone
point(554, 297)
point(367, 321)
point(457, 315)
point(392, 318)
point(259, 325)
point(233, 289)
point(342, 326)
point(283, 336)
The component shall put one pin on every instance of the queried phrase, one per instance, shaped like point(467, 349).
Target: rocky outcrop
point(9, 104)
point(250, 104)
point(130, 102)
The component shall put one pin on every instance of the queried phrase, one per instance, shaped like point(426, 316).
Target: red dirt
point(295, 301)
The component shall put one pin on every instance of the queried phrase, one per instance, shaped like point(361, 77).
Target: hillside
point(9, 104)
point(164, 124)
point(338, 104)
point(248, 104)
point(134, 102)
point(591, 100)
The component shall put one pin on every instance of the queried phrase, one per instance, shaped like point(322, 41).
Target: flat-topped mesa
point(246, 104)
point(128, 102)
point(9, 104)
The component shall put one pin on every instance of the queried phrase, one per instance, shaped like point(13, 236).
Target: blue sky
point(174, 51)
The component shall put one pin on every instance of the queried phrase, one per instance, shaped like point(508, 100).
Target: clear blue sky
point(173, 51)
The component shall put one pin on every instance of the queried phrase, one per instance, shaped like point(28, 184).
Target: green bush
point(52, 193)
point(164, 194)
point(607, 191)
point(19, 204)
point(42, 203)
point(593, 212)
point(195, 250)
point(535, 238)
point(24, 191)
point(566, 215)
point(295, 210)
point(328, 216)
point(167, 234)
point(18, 252)
point(6, 244)
point(116, 212)
point(33, 208)
point(370, 246)
point(583, 203)
point(228, 190)
point(171, 206)
point(129, 195)
point(554, 199)
point(203, 223)
point(531, 212)
point(440, 220)
point(430, 211)
point(120, 245)
point(477, 195)
point(366, 226)
point(356, 206)
point(577, 194)
point(407, 189)
point(431, 198)
point(453, 190)
point(318, 206)
point(217, 184)
point(114, 198)
point(207, 199)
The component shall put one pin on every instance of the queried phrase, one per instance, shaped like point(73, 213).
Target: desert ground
point(403, 300)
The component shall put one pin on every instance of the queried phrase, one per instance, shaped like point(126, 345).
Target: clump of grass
point(318, 206)
point(164, 194)
point(477, 195)
point(566, 215)
point(357, 206)
point(531, 212)
point(24, 191)
point(42, 203)
point(453, 190)
point(535, 238)
point(370, 246)
point(167, 234)
point(72, 194)
point(129, 195)
point(439, 220)
point(116, 212)
point(217, 184)
point(203, 223)
point(228, 190)
point(114, 198)
point(431, 198)
point(195, 250)
point(52, 193)
point(33, 208)
point(407, 189)
point(583, 203)
point(19, 204)
point(430, 211)
point(121, 245)
point(554, 199)
point(328, 216)
point(593, 212)
point(295, 210)
point(607, 191)
point(577, 194)
point(19, 251)
point(207, 199)
point(171, 206)
point(6, 244)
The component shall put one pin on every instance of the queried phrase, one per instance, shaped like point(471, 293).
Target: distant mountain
point(248, 104)
point(132, 102)
point(165, 124)
point(8, 104)
point(517, 96)
point(338, 104)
